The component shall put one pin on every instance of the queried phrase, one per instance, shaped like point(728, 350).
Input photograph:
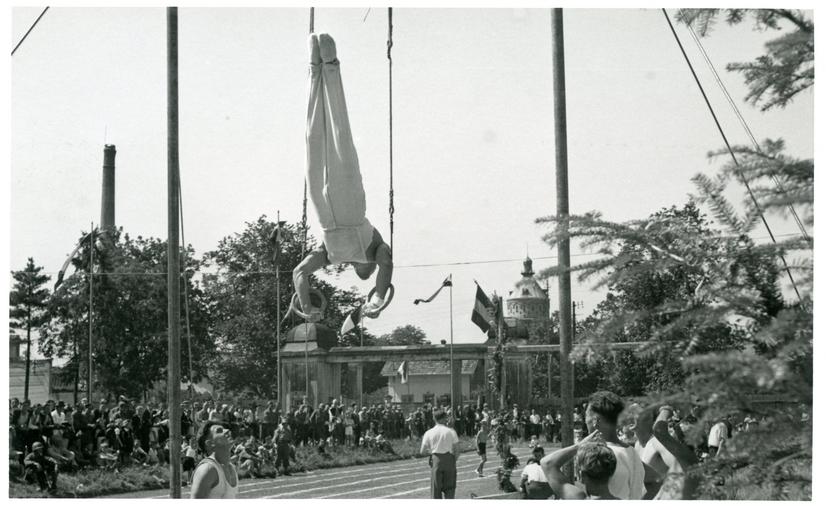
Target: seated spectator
point(533, 482)
point(64, 458)
point(139, 455)
point(40, 468)
point(107, 456)
point(534, 442)
point(152, 454)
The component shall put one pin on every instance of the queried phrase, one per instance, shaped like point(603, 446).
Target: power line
point(745, 126)
point(730, 151)
point(29, 31)
point(407, 266)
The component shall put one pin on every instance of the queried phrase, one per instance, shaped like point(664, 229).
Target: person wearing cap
point(283, 438)
point(443, 444)
point(41, 467)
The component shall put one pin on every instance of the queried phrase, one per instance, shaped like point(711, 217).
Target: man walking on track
point(443, 444)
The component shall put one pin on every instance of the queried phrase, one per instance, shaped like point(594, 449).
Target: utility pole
point(500, 338)
point(91, 311)
point(564, 245)
point(173, 254)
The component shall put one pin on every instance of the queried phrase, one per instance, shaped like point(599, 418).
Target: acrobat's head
point(364, 269)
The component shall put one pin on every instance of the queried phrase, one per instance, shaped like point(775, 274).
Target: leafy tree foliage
point(243, 304)
point(129, 315)
point(404, 335)
point(787, 68)
point(27, 301)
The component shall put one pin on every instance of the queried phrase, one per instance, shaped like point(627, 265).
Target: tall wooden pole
point(173, 254)
point(452, 379)
point(278, 315)
point(563, 247)
point(91, 311)
point(500, 338)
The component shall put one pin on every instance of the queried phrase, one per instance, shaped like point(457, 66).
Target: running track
point(402, 479)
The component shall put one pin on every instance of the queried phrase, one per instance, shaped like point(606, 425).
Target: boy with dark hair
point(602, 415)
point(595, 462)
point(215, 476)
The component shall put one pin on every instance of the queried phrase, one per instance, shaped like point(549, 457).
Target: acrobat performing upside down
point(336, 190)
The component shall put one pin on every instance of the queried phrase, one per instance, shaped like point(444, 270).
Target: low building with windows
point(429, 381)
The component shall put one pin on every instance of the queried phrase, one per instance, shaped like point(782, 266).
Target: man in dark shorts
point(481, 445)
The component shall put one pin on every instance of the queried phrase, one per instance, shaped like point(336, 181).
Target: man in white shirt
point(602, 413)
point(443, 444)
point(658, 460)
point(59, 415)
point(717, 437)
point(534, 484)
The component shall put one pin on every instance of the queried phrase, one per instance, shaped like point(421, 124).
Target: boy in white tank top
point(215, 477)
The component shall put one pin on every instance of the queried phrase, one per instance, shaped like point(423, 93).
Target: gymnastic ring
point(387, 299)
point(295, 305)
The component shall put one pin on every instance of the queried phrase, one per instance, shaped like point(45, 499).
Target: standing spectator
point(40, 467)
point(349, 425)
point(283, 439)
point(443, 444)
point(270, 420)
point(59, 414)
point(356, 423)
point(717, 437)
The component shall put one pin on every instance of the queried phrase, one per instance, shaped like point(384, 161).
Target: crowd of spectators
point(126, 432)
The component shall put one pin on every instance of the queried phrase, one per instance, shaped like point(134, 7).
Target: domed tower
point(528, 301)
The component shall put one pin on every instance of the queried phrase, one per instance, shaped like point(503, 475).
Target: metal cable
point(28, 31)
point(730, 151)
point(746, 127)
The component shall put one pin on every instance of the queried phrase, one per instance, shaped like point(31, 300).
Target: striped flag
point(276, 238)
point(65, 267)
point(483, 310)
point(447, 283)
point(351, 321)
point(404, 371)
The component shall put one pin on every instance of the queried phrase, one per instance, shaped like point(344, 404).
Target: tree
point(404, 335)
point(243, 302)
point(27, 301)
point(129, 315)
point(787, 68)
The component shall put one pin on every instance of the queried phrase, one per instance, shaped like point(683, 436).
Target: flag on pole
point(447, 283)
point(351, 321)
point(483, 310)
point(404, 371)
point(65, 267)
point(276, 237)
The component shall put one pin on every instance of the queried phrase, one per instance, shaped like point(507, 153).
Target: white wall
point(438, 385)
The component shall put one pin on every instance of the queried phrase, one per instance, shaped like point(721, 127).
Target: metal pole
point(173, 255)
point(91, 312)
point(563, 247)
point(452, 386)
point(278, 317)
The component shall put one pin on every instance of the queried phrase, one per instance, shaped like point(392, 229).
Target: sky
point(473, 145)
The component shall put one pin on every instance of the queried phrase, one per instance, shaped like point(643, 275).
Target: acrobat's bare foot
point(315, 52)
point(327, 47)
